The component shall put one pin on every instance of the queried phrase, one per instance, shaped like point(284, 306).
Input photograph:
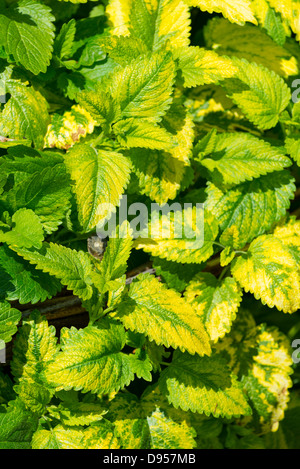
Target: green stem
point(283, 130)
point(224, 272)
point(73, 240)
point(98, 140)
point(219, 244)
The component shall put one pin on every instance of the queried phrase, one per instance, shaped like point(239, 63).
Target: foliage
point(183, 101)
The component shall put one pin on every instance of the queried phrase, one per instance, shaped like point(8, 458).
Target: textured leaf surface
point(135, 133)
point(65, 130)
point(200, 67)
point(77, 413)
point(143, 89)
point(216, 302)
point(28, 33)
point(58, 438)
point(261, 357)
point(240, 157)
point(91, 360)
point(251, 208)
point(150, 304)
point(114, 262)
point(155, 22)
point(270, 271)
point(41, 349)
point(72, 268)
point(25, 115)
point(27, 230)
point(203, 385)
point(270, 20)
point(167, 434)
point(159, 174)
point(40, 184)
point(17, 426)
point(270, 374)
point(293, 147)
point(260, 93)
point(9, 319)
point(99, 180)
point(21, 281)
point(249, 43)
point(236, 11)
point(166, 243)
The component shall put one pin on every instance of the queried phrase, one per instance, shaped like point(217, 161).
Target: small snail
point(96, 246)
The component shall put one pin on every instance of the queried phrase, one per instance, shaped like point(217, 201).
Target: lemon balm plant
point(161, 101)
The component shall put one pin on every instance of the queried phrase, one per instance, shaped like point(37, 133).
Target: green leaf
point(114, 263)
point(153, 22)
point(67, 129)
point(9, 320)
point(260, 93)
point(141, 364)
point(143, 89)
point(175, 278)
point(77, 413)
point(63, 43)
point(21, 281)
point(200, 67)
point(99, 179)
point(270, 21)
point(27, 32)
point(139, 133)
point(252, 44)
point(27, 230)
point(159, 174)
point(91, 360)
point(236, 11)
point(167, 434)
point(33, 388)
point(59, 437)
point(171, 236)
point(261, 357)
point(268, 379)
point(203, 385)
point(238, 157)
point(216, 302)
point(293, 148)
point(122, 49)
point(160, 313)
point(25, 115)
point(271, 272)
point(251, 208)
point(46, 192)
point(72, 268)
point(102, 435)
point(17, 426)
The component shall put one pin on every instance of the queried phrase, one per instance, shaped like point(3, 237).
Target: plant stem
point(98, 140)
point(224, 272)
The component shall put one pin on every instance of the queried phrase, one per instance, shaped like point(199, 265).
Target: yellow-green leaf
point(236, 11)
point(153, 309)
point(99, 178)
point(203, 385)
point(270, 271)
point(168, 235)
point(67, 129)
point(91, 360)
point(216, 302)
point(252, 44)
